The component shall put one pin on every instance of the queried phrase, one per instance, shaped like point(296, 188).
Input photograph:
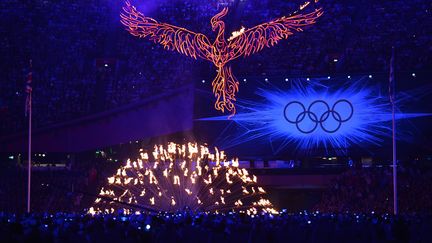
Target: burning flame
point(179, 176)
point(236, 34)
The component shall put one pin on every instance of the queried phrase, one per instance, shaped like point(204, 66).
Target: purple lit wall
point(159, 115)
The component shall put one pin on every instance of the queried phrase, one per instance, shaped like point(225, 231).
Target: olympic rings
point(317, 116)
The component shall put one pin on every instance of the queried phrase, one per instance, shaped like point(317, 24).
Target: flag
point(28, 89)
point(391, 79)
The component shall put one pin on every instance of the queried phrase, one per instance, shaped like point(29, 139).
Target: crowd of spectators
point(85, 62)
point(371, 189)
point(202, 227)
point(67, 187)
point(356, 208)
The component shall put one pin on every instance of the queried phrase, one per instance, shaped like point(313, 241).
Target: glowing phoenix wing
point(170, 36)
point(268, 34)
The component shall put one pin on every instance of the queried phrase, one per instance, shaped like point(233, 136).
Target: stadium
point(220, 120)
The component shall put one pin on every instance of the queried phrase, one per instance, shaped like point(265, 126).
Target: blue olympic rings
point(318, 119)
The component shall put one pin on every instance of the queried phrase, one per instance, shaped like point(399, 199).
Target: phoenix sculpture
point(242, 43)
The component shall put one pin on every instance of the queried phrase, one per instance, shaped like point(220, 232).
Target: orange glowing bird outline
point(221, 51)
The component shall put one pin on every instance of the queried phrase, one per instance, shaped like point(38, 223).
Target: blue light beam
point(311, 115)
